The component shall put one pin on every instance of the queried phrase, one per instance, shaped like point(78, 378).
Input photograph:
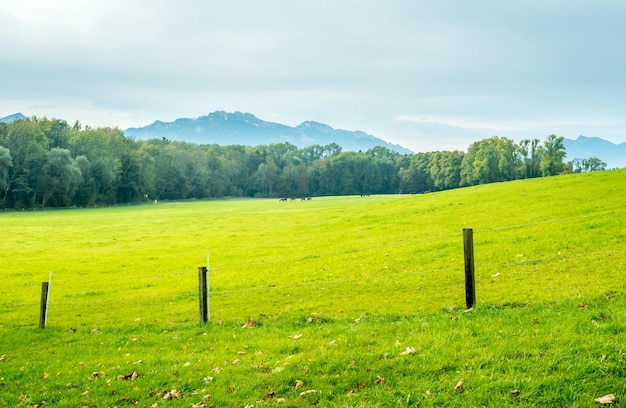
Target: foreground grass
point(337, 289)
point(563, 354)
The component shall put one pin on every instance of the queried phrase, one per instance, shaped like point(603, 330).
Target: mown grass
point(337, 289)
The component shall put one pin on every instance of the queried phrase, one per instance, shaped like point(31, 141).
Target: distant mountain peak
point(13, 117)
point(226, 128)
point(584, 147)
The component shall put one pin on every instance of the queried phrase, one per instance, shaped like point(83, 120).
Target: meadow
point(338, 301)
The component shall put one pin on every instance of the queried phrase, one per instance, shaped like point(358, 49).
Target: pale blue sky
point(429, 75)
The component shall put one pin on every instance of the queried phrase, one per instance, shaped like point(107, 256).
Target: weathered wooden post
point(203, 293)
point(43, 308)
point(470, 287)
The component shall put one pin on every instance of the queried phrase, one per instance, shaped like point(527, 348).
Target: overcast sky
point(428, 75)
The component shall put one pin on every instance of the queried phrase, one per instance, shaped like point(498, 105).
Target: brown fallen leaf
point(459, 386)
point(379, 380)
point(409, 350)
point(249, 324)
point(303, 393)
point(606, 400)
point(132, 376)
point(173, 394)
point(298, 384)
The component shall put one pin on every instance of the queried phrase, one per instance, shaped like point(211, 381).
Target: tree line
point(49, 163)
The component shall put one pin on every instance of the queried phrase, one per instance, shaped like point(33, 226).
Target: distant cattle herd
point(294, 199)
point(310, 198)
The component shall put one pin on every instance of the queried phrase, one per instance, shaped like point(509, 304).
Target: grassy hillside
point(358, 298)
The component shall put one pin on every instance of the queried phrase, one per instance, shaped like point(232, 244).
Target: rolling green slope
point(360, 299)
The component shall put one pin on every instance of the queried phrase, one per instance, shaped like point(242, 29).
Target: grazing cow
point(293, 198)
point(309, 198)
point(283, 199)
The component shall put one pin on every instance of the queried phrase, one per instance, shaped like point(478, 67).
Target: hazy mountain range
point(614, 155)
point(225, 128)
point(246, 129)
point(11, 118)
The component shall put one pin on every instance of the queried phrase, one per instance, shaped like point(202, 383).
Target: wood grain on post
point(470, 287)
point(43, 309)
point(202, 292)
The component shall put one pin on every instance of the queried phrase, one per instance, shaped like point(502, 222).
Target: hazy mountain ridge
point(614, 155)
point(13, 117)
point(225, 128)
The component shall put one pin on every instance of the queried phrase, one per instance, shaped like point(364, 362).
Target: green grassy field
point(352, 301)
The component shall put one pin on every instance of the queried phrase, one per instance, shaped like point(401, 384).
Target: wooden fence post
point(43, 308)
point(202, 290)
point(470, 287)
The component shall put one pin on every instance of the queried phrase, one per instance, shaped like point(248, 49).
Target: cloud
point(471, 67)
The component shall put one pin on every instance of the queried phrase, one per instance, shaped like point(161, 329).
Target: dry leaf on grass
point(606, 400)
point(303, 393)
point(459, 386)
point(172, 394)
point(409, 350)
point(132, 376)
point(250, 323)
point(298, 384)
point(379, 380)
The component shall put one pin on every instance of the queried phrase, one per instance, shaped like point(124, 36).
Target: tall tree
point(445, 169)
point(6, 162)
point(60, 178)
point(28, 146)
point(553, 153)
point(531, 157)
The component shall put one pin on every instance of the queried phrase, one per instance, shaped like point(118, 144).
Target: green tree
point(60, 178)
point(128, 183)
point(56, 131)
point(28, 146)
point(531, 157)
point(385, 159)
point(414, 174)
point(490, 160)
point(6, 162)
point(587, 165)
point(553, 153)
point(267, 176)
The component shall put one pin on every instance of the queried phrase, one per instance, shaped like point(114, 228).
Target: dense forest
point(48, 163)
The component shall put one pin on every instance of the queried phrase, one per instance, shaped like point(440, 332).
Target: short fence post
point(470, 287)
point(43, 308)
point(202, 286)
